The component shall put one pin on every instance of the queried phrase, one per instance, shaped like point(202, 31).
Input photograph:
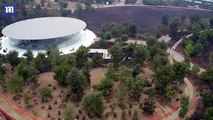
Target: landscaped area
point(144, 77)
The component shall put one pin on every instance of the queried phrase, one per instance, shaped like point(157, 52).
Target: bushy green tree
point(207, 76)
point(97, 60)
point(75, 81)
point(45, 93)
point(180, 69)
point(29, 55)
point(174, 25)
point(135, 88)
point(195, 69)
point(61, 72)
point(208, 114)
point(93, 105)
point(149, 106)
point(124, 37)
point(164, 75)
point(81, 56)
point(184, 106)
point(208, 99)
point(141, 54)
point(105, 86)
point(133, 30)
point(26, 71)
point(13, 58)
point(116, 52)
point(40, 61)
point(15, 84)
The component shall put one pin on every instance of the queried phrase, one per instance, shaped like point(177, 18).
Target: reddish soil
point(146, 18)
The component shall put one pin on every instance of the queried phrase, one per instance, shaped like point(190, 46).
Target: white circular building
point(68, 34)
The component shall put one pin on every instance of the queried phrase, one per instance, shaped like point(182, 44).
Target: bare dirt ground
point(97, 74)
point(147, 18)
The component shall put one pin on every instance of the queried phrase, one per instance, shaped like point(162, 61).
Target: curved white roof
point(43, 28)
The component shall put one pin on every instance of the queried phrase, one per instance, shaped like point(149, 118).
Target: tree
point(105, 86)
point(15, 84)
point(195, 69)
point(184, 106)
point(208, 99)
point(207, 76)
point(189, 49)
point(132, 30)
point(115, 31)
point(165, 19)
point(76, 83)
point(40, 61)
point(97, 60)
point(28, 55)
point(135, 88)
point(149, 106)
point(124, 37)
point(170, 91)
point(69, 112)
point(116, 51)
point(26, 71)
point(195, 27)
point(107, 36)
point(174, 26)
point(93, 104)
point(164, 75)
point(211, 22)
point(54, 55)
point(45, 93)
point(81, 56)
point(61, 72)
point(198, 49)
point(180, 69)
point(141, 54)
point(135, 115)
point(208, 114)
point(195, 18)
point(13, 58)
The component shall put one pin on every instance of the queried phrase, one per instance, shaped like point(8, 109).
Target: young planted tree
point(184, 106)
point(69, 112)
point(93, 105)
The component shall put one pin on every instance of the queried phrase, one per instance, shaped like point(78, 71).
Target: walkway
point(189, 90)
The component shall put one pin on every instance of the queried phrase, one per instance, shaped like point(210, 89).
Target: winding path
point(189, 90)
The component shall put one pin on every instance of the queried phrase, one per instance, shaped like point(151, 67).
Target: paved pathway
point(189, 90)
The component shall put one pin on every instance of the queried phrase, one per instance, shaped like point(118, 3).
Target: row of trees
point(173, 25)
point(181, 3)
point(199, 45)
